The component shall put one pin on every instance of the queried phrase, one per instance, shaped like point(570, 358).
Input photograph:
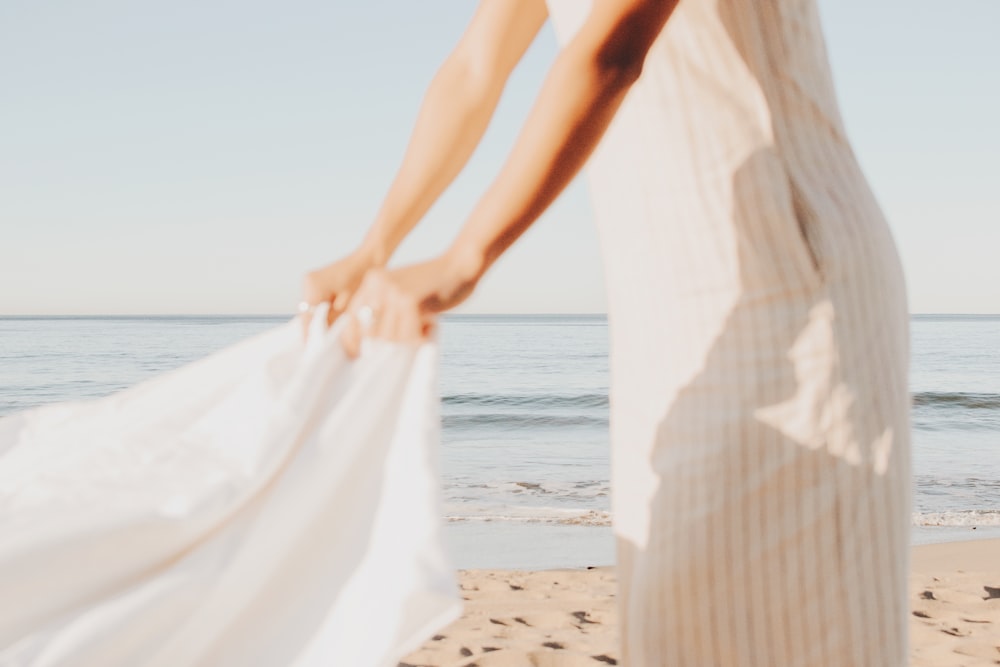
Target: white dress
point(267, 506)
point(759, 335)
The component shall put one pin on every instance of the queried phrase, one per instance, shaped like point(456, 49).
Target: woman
point(757, 310)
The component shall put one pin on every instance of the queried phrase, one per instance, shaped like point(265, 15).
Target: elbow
point(620, 46)
point(620, 69)
point(616, 71)
point(620, 57)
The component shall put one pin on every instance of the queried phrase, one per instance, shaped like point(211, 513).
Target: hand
point(401, 304)
point(334, 284)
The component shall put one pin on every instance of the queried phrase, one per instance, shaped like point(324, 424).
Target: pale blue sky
point(197, 157)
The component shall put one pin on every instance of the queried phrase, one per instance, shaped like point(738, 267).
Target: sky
point(200, 156)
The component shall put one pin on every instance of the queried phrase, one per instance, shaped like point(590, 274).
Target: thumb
point(337, 307)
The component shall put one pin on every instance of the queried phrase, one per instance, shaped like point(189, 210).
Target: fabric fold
point(273, 504)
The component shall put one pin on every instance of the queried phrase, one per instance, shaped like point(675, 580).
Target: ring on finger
point(306, 307)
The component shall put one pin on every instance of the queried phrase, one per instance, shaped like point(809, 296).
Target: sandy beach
point(565, 618)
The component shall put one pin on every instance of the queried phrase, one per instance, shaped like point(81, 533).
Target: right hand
point(404, 302)
point(334, 283)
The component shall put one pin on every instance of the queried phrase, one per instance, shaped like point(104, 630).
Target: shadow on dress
point(770, 538)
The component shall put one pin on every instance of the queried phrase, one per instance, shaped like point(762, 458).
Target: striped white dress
point(759, 354)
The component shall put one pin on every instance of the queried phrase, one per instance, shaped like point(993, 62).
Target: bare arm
point(581, 95)
point(455, 114)
point(457, 108)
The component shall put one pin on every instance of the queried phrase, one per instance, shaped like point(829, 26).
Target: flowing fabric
point(275, 504)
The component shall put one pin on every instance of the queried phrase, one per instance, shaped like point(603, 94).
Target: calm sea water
point(525, 411)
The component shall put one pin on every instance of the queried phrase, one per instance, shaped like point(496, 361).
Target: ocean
point(525, 418)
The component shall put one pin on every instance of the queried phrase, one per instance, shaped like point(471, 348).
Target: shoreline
point(490, 545)
point(567, 617)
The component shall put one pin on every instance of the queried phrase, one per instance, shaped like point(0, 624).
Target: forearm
point(573, 111)
point(581, 95)
point(453, 118)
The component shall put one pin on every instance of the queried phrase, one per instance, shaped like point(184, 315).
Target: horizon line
point(447, 314)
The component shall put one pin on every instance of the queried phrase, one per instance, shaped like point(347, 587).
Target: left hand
point(401, 304)
point(334, 284)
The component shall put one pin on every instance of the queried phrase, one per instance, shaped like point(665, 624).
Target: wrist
point(373, 253)
point(466, 262)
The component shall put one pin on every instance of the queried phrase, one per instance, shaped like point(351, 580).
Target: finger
point(337, 307)
point(383, 318)
point(341, 301)
point(411, 327)
point(331, 314)
point(353, 331)
point(368, 305)
point(350, 338)
point(428, 327)
point(388, 319)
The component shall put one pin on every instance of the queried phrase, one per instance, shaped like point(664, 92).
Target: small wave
point(582, 518)
point(570, 491)
point(603, 518)
point(927, 482)
point(960, 518)
point(519, 421)
point(957, 399)
point(526, 400)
